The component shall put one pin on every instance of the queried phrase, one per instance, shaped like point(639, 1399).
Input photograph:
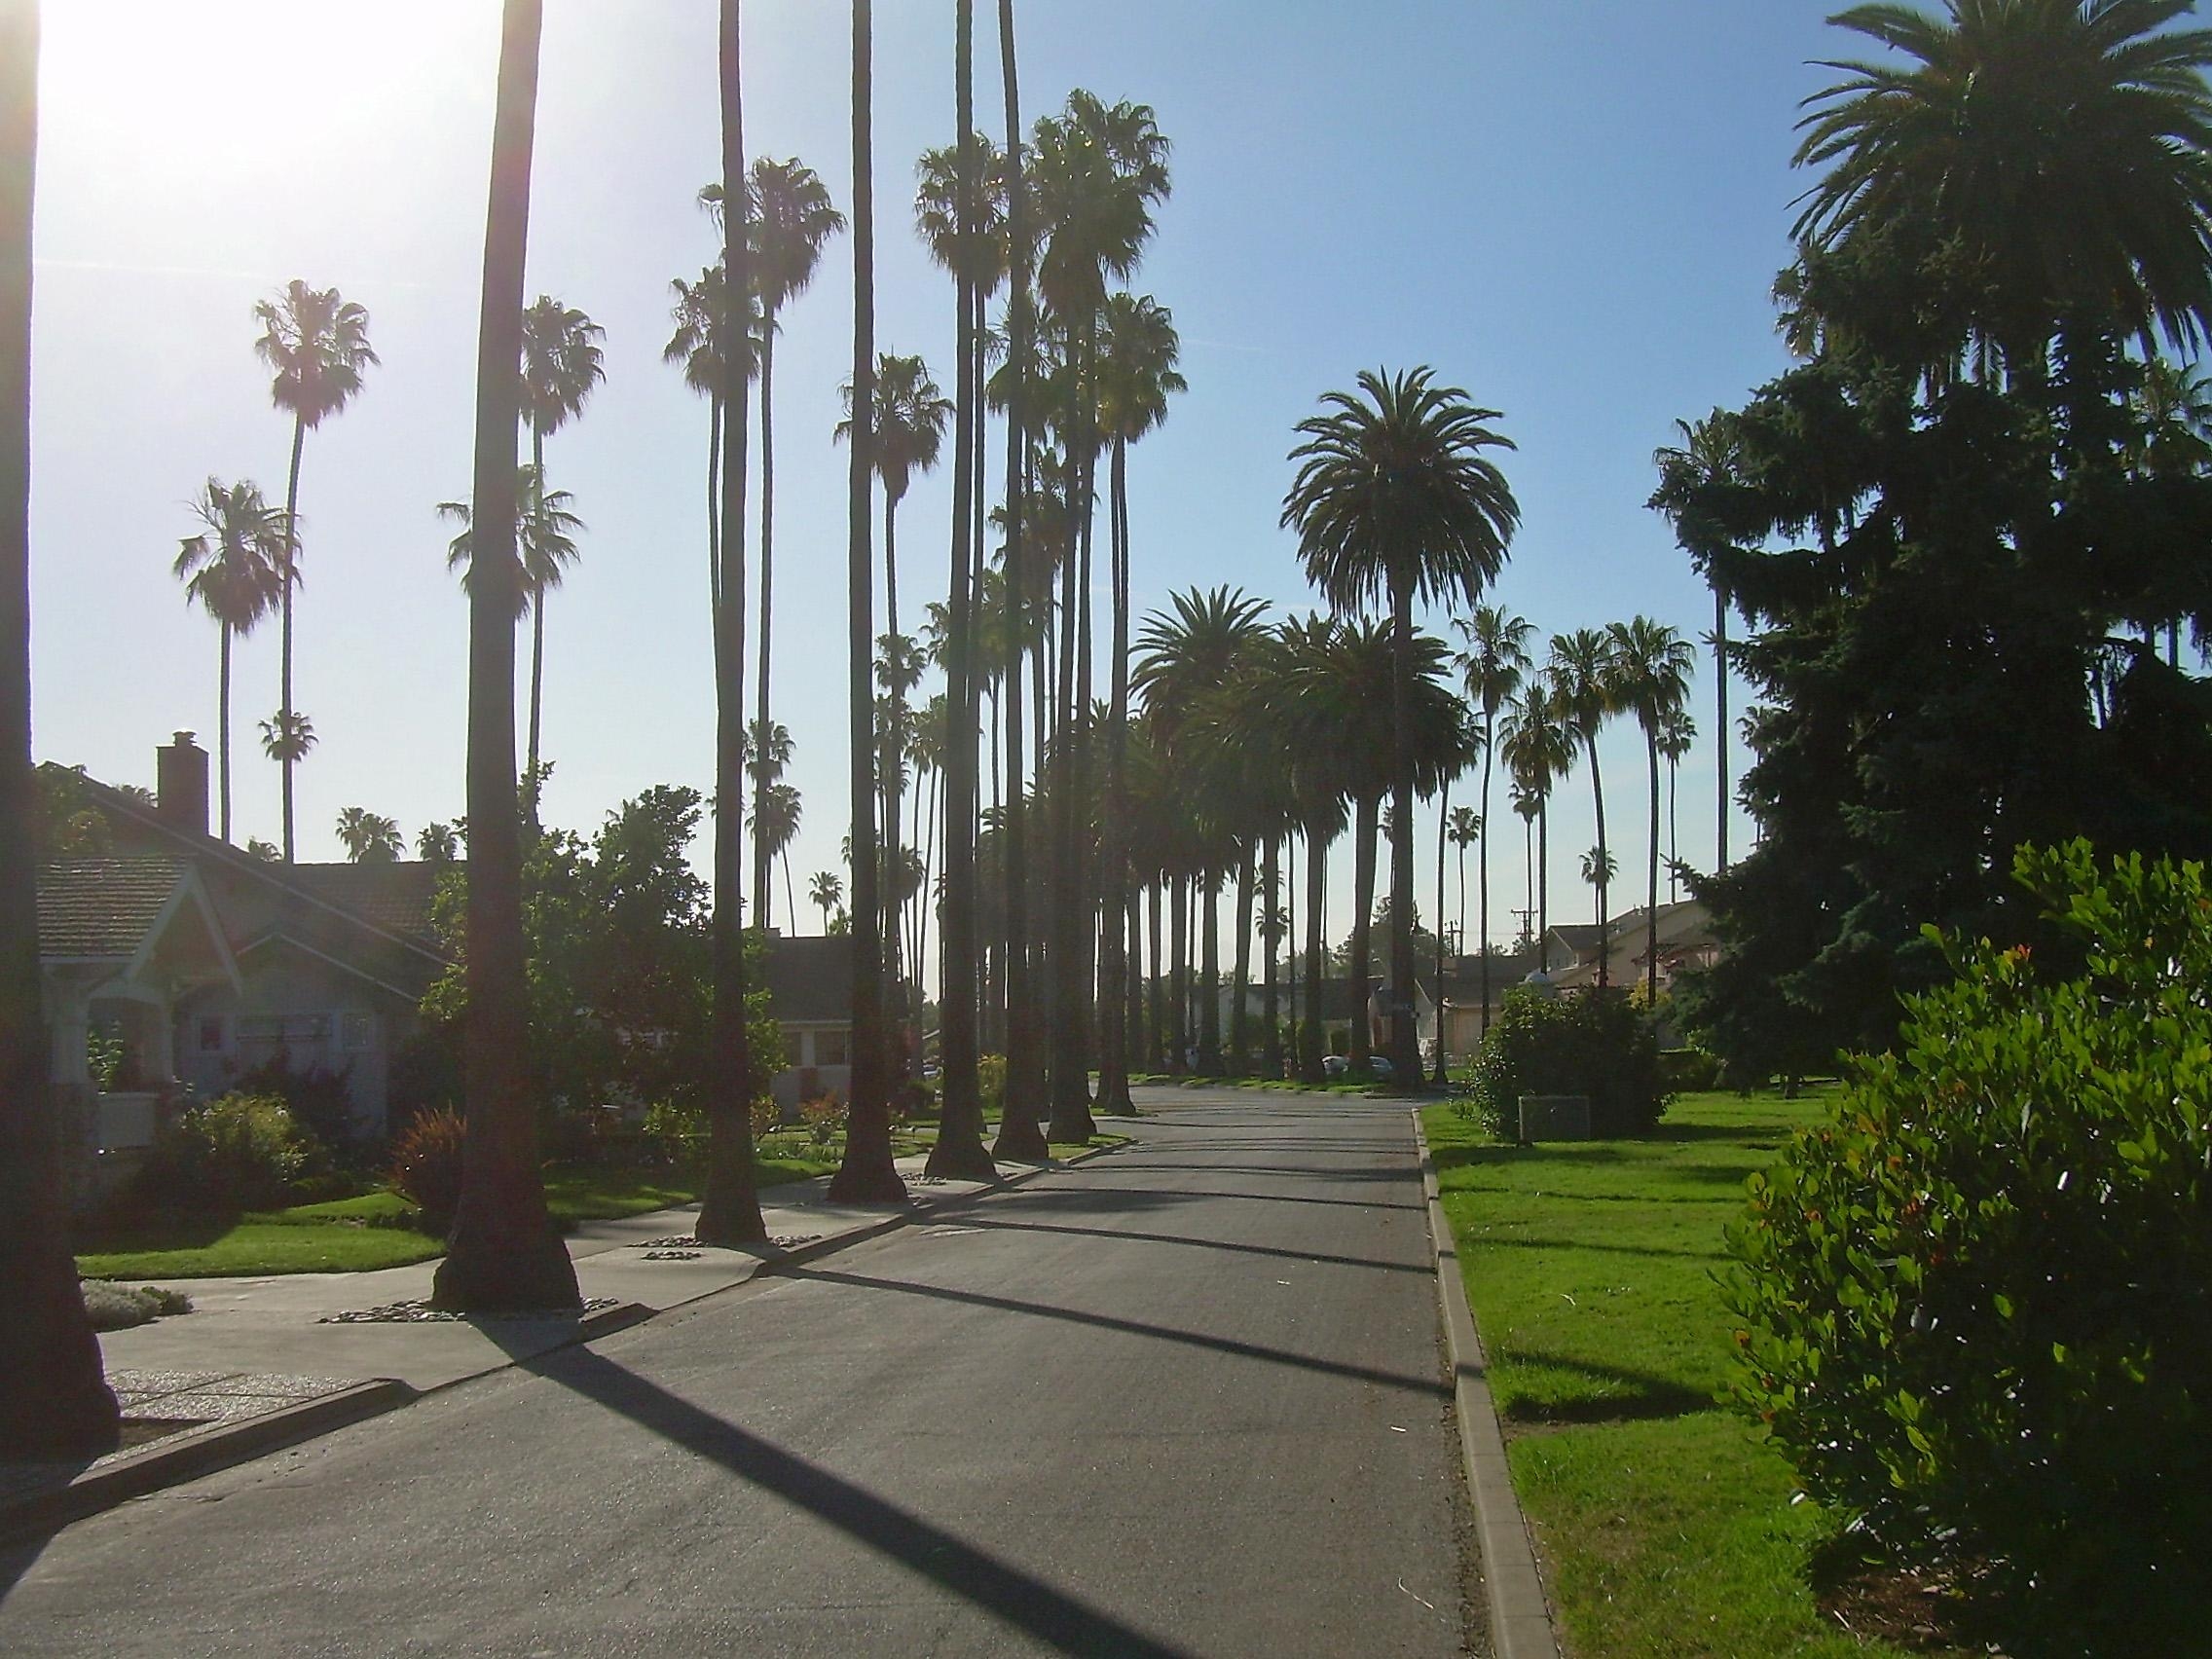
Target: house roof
point(390, 901)
point(394, 897)
point(1683, 927)
point(811, 979)
point(102, 908)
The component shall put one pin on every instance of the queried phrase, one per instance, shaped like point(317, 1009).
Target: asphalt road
point(1184, 1399)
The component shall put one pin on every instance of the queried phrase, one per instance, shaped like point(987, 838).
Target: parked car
point(1333, 1065)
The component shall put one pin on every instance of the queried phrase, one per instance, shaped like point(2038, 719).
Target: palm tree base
point(729, 1219)
point(54, 1401)
point(961, 1159)
point(1115, 1103)
point(1021, 1140)
point(866, 1181)
point(523, 1270)
point(1071, 1122)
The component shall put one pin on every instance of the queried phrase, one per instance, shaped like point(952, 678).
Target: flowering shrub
point(824, 1118)
point(426, 1167)
point(1976, 1308)
point(237, 1153)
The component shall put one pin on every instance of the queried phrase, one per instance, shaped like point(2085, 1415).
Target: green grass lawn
point(369, 1231)
point(1667, 1525)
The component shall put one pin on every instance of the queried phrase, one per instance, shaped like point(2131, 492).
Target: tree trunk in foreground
point(504, 1253)
point(1405, 1040)
point(54, 1401)
point(730, 1208)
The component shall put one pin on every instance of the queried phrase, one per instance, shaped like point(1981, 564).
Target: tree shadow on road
point(1120, 1200)
point(1022, 1600)
point(1113, 1234)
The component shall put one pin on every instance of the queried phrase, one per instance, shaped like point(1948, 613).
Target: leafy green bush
point(1587, 1044)
point(118, 1307)
point(426, 1167)
point(240, 1152)
point(824, 1118)
point(317, 1097)
point(676, 1130)
point(990, 1082)
point(1688, 1071)
point(1976, 1307)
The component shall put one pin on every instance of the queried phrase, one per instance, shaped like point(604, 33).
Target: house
point(180, 963)
point(1686, 941)
point(810, 988)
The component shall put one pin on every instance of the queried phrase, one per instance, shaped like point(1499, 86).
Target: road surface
point(1183, 1399)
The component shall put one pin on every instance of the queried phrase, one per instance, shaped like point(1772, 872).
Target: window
point(356, 1032)
point(210, 1033)
point(309, 1030)
point(831, 1049)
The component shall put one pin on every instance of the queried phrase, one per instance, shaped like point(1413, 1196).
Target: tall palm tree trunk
point(960, 1153)
point(1310, 1033)
point(760, 854)
point(714, 501)
point(1361, 964)
point(1443, 820)
point(1651, 906)
point(894, 790)
point(1020, 1133)
point(1597, 800)
point(1209, 976)
point(1179, 941)
point(54, 1401)
point(1270, 1010)
point(1720, 731)
point(1482, 872)
point(730, 1208)
point(867, 1175)
point(503, 1252)
point(1405, 1040)
point(1132, 991)
point(291, 580)
point(1070, 955)
point(1239, 1021)
point(1155, 1048)
point(537, 633)
point(1673, 832)
point(223, 739)
point(1543, 883)
point(1113, 859)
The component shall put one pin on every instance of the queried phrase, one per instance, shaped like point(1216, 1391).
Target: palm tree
point(503, 1252)
point(234, 570)
point(2062, 147)
point(1137, 353)
point(1538, 750)
point(775, 822)
point(545, 534)
point(1493, 665)
point(730, 1207)
point(1652, 665)
point(286, 738)
point(1599, 866)
point(1394, 498)
point(1465, 830)
point(368, 838)
point(560, 366)
point(866, 1174)
point(791, 221)
point(826, 890)
point(1584, 671)
point(1707, 457)
point(54, 1401)
point(438, 843)
point(701, 343)
point(317, 346)
point(1674, 739)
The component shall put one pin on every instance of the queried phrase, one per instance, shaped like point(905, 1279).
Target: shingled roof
point(102, 908)
point(394, 897)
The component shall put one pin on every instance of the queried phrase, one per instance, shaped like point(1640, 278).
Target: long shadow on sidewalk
point(1022, 1600)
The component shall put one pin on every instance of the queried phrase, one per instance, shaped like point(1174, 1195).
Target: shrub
point(1688, 1071)
point(1584, 1044)
point(426, 1167)
point(240, 1152)
point(824, 1118)
point(118, 1307)
point(990, 1082)
point(677, 1131)
point(317, 1097)
point(1976, 1308)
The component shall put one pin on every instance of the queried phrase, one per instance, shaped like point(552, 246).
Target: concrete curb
point(1520, 1618)
point(202, 1452)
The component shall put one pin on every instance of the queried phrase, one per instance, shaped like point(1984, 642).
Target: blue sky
point(1572, 210)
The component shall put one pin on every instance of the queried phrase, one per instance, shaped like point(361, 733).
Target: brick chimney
point(180, 785)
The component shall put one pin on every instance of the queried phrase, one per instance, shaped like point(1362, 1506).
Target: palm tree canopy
point(910, 411)
point(1652, 664)
point(2061, 144)
point(1466, 826)
point(1184, 653)
point(287, 737)
point(1136, 375)
point(234, 569)
point(1096, 172)
point(767, 748)
point(316, 345)
point(1676, 732)
point(561, 363)
point(1537, 745)
point(1394, 495)
point(1337, 687)
point(1585, 677)
point(937, 211)
point(826, 888)
point(776, 819)
point(545, 532)
point(1496, 657)
point(701, 336)
point(368, 838)
point(793, 219)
